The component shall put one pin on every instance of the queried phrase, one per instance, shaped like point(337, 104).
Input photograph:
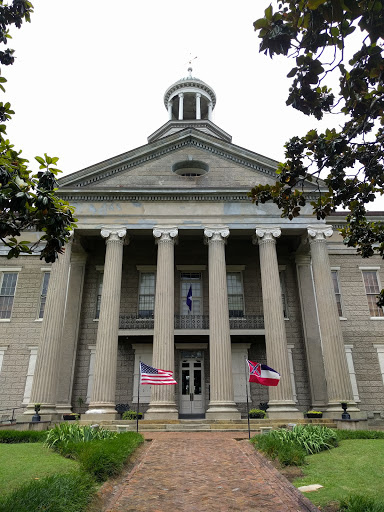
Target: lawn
point(23, 462)
point(355, 467)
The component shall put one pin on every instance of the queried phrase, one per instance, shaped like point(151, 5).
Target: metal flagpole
point(246, 388)
point(138, 399)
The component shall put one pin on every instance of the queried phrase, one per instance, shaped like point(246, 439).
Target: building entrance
point(192, 401)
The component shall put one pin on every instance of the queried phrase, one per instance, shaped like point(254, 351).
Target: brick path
point(204, 472)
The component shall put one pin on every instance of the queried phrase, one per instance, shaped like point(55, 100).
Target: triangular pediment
point(152, 167)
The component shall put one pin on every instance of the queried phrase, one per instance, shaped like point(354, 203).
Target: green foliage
point(359, 434)
point(315, 33)
point(22, 436)
point(359, 503)
point(291, 446)
point(70, 492)
point(257, 413)
point(27, 200)
point(65, 433)
point(131, 415)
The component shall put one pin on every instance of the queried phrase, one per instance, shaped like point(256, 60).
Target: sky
point(90, 76)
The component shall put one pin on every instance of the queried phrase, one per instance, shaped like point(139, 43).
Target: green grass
point(25, 462)
point(356, 467)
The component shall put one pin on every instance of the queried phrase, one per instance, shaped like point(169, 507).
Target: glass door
point(192, 396)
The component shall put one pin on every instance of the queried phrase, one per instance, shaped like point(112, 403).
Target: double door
point(192, 388)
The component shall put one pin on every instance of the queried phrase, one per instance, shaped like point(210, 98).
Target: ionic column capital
point(165, 234)
point(319, 234)
point(216, 234)
point(266, 235)
point(114, 234)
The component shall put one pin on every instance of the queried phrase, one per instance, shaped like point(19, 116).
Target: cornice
point(189, 82)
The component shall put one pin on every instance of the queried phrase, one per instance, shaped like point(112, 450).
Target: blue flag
point(189, 298)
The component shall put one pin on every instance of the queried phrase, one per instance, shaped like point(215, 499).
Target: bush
point(360, 503)
point(257, 413)
point(131, 415)
point(70, 492)
point(359, 434)
point(22, 436)
point(288, 454)
point(105, 458)
point(68, 432)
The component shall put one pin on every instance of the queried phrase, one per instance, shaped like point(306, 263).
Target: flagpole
point(138, 399)
point(246, 388)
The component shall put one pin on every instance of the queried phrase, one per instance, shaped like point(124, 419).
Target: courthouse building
point(170, 219)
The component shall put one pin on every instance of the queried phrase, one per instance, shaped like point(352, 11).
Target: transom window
point(191, 289)
point(7, 293)
point(372, 290)
point(43, 295)
point(147, 294)
point(235, 294)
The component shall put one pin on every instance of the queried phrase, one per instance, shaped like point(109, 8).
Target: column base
point(285, 409)
point(222, 411)
point(162, 411)
point(64, 408)
point(101, 408)
point(95, 417)
point(44, 409)
point(334, 411)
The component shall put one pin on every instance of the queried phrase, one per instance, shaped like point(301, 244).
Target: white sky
point(90, 75)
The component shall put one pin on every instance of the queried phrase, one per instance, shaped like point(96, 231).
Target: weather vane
point(190, 64)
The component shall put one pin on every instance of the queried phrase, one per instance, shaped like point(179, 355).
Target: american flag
point(149, 375)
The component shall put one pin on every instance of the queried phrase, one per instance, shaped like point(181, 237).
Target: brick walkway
point(204, 472)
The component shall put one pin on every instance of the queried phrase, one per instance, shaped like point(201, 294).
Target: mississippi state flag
point(263, 374)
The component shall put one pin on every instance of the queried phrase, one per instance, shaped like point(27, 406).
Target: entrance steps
point(202, 425)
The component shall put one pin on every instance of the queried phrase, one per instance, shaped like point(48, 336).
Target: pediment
point(152, 167)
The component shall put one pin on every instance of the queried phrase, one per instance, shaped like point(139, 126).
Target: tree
point(27, 201)
point(350, 159)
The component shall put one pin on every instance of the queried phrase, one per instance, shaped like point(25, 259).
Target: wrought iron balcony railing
point(191, 322)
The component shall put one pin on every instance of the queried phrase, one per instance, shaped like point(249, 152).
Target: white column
point(162, 404)
point(335, 362)
point(198, 107)
point(281, 400)
point(222, 404)
point(170, 103)
point(44, 386)
point(104, 379)
point(181, 106)
point(210, 109)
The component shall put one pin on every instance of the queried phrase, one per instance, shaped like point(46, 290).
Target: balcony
point(201, 322)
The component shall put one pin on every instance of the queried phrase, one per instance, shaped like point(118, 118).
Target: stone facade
point(205, 228)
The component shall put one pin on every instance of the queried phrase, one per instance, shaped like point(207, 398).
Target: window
point(283, 293)
point(235, 294)
point(336, 287)
point(7, 293)
point(147, 294)
point(99, 292)
point(191, 281)
point(43, 295)
point(372, 289)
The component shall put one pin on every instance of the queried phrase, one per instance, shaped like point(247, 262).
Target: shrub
point(274, 447)
point(360, 503)
point(131, 415)
point(359, 434)
point(105, 458)
point(257, 413)
point(22, 436)
point(67, 432)
point(313, 438)
point(69, 492)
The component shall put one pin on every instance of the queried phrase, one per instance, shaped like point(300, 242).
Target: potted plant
point(132, 415)
point(314, 414)
point(257, 413)
point(345, 415)
point(36, 416)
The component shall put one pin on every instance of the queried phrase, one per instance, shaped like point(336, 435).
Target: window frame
point(44, 271)
point(375, 270)
point(238, 269)
point(336, 271)
point(183, 298)
point(9, 270)
point(145, 269)
point(283, 290)
point(100, 279)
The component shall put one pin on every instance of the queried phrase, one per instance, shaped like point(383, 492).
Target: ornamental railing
point(191, 322)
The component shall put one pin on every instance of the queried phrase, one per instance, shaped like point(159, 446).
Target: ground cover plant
point(351, 475)
point(65, 433)
point(22, 436)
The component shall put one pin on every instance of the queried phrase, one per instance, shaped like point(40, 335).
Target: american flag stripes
point(150, 375)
